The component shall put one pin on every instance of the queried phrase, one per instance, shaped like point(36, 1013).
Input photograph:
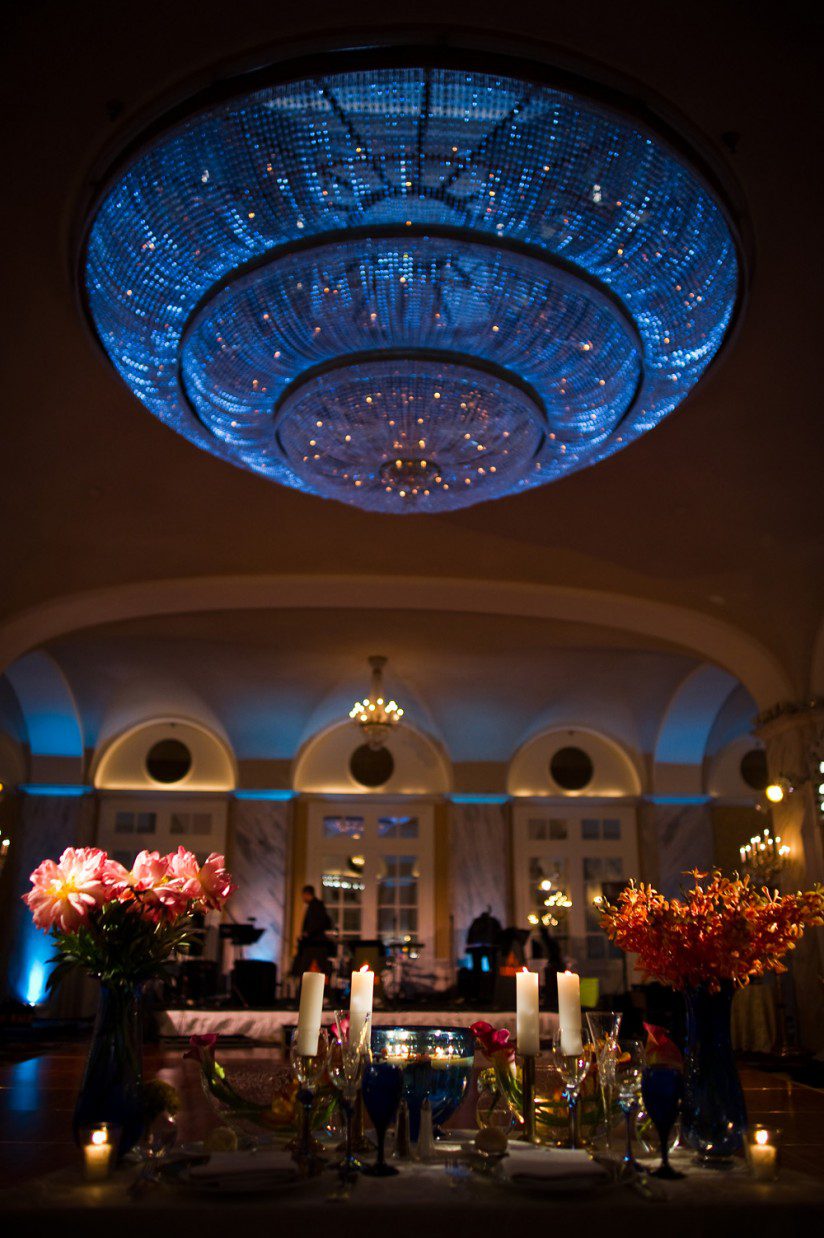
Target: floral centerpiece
point(502, 1081)
point(721, 934)
point(121, 926)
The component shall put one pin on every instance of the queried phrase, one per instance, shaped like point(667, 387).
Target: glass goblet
point(307, 1069)
point(604, 1026)
point(572, 1062)
point(348, 1055)
point(382, 1089)
point(629, 1070)
point(662, 1088)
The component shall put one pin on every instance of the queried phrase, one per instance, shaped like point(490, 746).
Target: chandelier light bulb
point(375, 716)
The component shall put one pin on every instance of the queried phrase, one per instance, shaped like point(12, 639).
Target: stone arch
point(53, 728)
point(713, 639)
point(616, 771)
point(685, 728)
point(421, 766)
point(120, 764)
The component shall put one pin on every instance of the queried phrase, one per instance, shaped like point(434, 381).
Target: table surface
point(39, 1167)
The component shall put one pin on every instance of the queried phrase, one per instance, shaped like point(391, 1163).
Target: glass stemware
point(348, 1055)
point(629, 1070)
point(662, 1088)
point(307, 1069)
point(572, 1067)
point(604, 1026)
point(382, 1089)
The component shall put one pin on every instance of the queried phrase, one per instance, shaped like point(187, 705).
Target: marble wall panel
point(258, 858)
point(478, 865)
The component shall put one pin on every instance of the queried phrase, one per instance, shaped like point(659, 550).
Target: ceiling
point(717, 510)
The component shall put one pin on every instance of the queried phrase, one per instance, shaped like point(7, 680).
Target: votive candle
point(762, 1153)
point(97, 1155)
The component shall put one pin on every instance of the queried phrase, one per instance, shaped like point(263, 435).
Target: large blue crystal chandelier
point(410, 288)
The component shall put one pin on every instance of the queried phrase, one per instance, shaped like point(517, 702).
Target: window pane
point(407, 920)
point(612, 829)
point(351, 920)
point(386, 922)
point(124, 823)
point(146, 822)
point(590, 830)
point(398, 827)
point(343, 827)
point(557, 829)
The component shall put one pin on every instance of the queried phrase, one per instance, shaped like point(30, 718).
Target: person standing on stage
point(314, 945)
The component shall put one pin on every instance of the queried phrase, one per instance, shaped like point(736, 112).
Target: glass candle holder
point(98, 1144)
point(762, 1149)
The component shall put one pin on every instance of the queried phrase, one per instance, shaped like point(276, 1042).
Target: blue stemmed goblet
point(662, 1088)
point(382, 1089)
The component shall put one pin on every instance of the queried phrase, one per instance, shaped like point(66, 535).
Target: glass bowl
point(258, 1100)
point(436, 1061)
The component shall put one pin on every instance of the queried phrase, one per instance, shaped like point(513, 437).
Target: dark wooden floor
point(37, 1095)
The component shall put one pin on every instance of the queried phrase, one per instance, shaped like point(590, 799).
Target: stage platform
point(266, 1026)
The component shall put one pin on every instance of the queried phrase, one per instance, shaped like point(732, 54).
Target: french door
point(372, 863)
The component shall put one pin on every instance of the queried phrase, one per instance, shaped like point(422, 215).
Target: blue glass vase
point(714, 1114)
point(110, 1091)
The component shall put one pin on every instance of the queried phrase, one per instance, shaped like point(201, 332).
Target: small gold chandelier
point(375, 715)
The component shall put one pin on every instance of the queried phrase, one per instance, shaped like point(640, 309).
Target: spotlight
point(774, 793)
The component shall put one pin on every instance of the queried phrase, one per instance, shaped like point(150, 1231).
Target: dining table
point(42, 1186)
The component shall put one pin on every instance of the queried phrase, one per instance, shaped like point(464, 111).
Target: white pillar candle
point(569, 1011)
point(528, 1028)
point(360, 1001)
point(310, 1013)
point(97, 1156)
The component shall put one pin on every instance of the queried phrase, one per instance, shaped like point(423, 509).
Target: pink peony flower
point(64, 894)
point(148, 884)
point(209, 885)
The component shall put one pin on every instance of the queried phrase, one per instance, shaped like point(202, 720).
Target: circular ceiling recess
point(410, 288)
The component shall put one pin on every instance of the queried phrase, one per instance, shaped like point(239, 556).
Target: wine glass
point(629, 1070)
point(382, 1089)
point(572, 1063)
point(348, 1055)
point(307, 1069)
point(662, 1088)
point(604, 1026)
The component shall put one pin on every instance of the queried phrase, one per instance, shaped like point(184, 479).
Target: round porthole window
point(754, 769)
point(571, 769)
point(168, 761)
point(371, 767)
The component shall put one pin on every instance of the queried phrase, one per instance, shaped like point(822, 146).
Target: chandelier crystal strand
point(548, 259)
point(374, 714)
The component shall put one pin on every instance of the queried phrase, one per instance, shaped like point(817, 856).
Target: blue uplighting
point(410, 288)
point(49, 788)
point(265, 794)
point(36, 983)
point(479, 799)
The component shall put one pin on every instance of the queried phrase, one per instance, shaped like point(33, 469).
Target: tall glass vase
point(714, 1115)
point(110, 1091)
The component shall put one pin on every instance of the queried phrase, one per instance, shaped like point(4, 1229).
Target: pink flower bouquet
point(121, 925)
